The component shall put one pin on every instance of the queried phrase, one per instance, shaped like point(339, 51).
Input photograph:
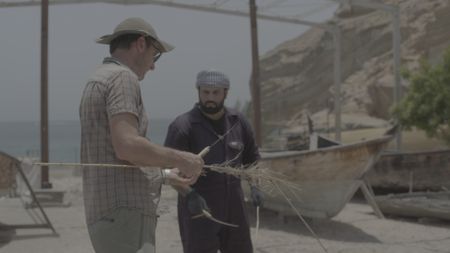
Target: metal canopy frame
point(331, 28)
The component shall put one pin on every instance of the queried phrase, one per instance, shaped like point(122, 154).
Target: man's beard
point(211, 110)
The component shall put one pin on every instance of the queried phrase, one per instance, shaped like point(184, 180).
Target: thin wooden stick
point(257, 224)
point(87, 164)
point(253, 173)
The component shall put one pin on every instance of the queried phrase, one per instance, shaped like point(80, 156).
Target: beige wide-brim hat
point(135, 26)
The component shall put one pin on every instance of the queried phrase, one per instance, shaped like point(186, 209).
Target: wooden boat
point(328, 177)
point(417, 204)
point(412, 171)
point(401, 171)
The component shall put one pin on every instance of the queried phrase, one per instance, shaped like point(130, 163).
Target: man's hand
point(196, 203)
point(257, 196)
point(173, 177)
point(191, 166)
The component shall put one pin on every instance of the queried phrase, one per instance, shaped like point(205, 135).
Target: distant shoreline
point(22, 138)
point(68, 120)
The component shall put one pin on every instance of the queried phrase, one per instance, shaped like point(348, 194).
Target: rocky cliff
point(297, 76)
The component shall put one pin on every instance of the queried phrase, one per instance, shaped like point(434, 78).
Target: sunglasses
point(158, 52)
point(157, 55)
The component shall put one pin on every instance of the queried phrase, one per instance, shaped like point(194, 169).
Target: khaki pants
point(124, 231)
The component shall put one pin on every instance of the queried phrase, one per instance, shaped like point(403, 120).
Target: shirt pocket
point(235, 149)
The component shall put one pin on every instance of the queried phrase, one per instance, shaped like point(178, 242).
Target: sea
point(22, 139)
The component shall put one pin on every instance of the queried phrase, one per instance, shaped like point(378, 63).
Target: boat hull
point(412, 171)
point(327, 177)
point(417, 204)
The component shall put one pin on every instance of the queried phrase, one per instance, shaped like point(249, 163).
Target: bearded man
point(230, 138)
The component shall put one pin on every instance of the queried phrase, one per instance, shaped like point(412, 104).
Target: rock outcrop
point(297, 76)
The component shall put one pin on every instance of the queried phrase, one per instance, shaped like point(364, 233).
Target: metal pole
point(337, 81)
point(396, 40)
point(44, 93)
point(255, 74)
point(396, 54)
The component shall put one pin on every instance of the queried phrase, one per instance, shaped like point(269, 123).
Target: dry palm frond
point(254, 173)
point(269, 181)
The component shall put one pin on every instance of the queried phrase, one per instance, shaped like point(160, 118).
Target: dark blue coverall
point(192, 132)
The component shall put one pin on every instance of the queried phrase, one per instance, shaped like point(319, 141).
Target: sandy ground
point(355, 229)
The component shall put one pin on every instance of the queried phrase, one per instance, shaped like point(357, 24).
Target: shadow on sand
point(24, 237)
point(324, 228)
point(433, 222)
point(6, 234)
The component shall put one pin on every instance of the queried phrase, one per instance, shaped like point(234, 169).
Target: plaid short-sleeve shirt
point(113, 89)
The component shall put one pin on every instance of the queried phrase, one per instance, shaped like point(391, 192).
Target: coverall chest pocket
point(235, 149)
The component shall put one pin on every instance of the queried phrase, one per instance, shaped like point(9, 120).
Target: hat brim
point(106, 39)
point(166, 47)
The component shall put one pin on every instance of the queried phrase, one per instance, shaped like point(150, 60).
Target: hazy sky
point(202, 41)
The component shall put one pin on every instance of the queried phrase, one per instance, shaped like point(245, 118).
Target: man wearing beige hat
point(120, 203)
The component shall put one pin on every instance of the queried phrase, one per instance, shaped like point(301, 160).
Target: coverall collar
point(230, 117)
